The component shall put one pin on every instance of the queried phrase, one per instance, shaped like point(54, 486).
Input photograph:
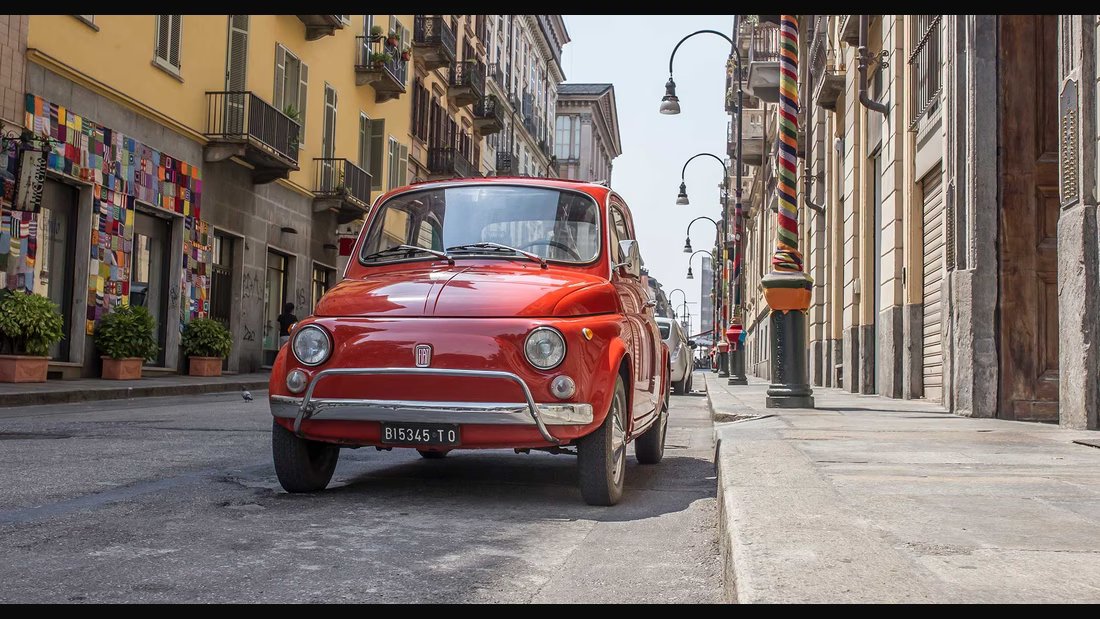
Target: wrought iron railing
point(434, 30)
point(507, 163)
point(924, 65)
point(448, 160)
point(241, 115)
point(376, 54)
point(469, 73)
point(486, 107)
point(497, 73)
point(339, 178)
point(765, 43)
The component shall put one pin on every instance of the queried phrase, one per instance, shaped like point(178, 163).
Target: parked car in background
point(679, 354)
point(480, 314)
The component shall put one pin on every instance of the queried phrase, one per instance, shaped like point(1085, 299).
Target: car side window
point(619, 233)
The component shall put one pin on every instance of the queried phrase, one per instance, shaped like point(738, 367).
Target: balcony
point(487, 116)
point(318, 26)
point(752, 137)
point(498, 74)
point(507, 164)
point(849, 29)
point(763, 76)
point(449, 162)
point(240, 124)
point(380, 64)
point(827, 77)
point(434, 42)
point(342, 187)
point(467, 83)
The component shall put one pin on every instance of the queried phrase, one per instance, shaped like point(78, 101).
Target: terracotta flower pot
point(205, 366)
point(23, 369)
point(122, 369)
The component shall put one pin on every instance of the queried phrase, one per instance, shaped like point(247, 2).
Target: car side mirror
point(632, 266)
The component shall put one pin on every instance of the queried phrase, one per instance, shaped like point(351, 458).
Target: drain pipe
point(807, 177)
point(864, 62)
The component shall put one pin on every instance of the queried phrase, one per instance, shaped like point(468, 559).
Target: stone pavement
point(87, 389)
point(871, 499)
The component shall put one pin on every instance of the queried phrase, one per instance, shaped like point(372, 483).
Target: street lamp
point(701, 251)
point(687, 243)
point(682, 197)
point(680, 290)
point(670, 103)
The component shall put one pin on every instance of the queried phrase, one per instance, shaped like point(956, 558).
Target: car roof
point(663, 319)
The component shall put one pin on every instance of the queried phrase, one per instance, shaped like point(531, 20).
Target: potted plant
point(125, 339)
point(377, 59)
point(206, 342)
point(391, 39)
point(375, 32)
point(406, 53)
point(29, 325)
point(291, 112)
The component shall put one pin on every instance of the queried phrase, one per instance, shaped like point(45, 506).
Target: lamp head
point(690, 276)
point(687, 245)
point(682, 197)
point(670, 103)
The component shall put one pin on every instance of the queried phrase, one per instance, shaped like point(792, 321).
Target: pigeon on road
point(246, 395)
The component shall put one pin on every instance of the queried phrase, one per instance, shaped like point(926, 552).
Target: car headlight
point(544, 348)
point(311, 345)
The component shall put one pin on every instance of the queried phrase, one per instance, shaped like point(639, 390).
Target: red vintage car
point(480, 314)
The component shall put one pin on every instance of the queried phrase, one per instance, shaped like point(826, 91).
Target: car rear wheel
point(690, 381)
point(601, 456)
point(432, 455)
point(302, 465)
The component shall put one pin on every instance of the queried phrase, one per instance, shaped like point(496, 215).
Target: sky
point(632, 53)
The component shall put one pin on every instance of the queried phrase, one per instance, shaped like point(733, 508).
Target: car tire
point(680, 386)
point(427, 454)
point(601, 456)
point(300, 464)
point(649, 448)
point(690, 381)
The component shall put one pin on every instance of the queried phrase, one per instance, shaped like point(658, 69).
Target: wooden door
point(1028, 295)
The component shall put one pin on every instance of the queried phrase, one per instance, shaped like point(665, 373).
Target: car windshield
point(666, 329)
point(485, 220)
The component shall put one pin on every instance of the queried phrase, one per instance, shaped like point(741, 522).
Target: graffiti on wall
point(122, 172)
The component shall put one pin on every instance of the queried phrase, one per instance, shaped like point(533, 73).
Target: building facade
point(706, 298)
point(587, 131)
point(200, 165)
point(949, 222)
point(524, 71)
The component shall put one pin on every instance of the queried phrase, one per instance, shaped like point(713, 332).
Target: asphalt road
point(175, 500)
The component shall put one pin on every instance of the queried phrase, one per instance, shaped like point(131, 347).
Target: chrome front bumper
point(487, 413)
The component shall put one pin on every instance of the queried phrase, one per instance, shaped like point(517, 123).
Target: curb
point(725, 535)
point(125, 393)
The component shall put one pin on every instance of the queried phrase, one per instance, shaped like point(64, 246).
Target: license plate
point(428, 434)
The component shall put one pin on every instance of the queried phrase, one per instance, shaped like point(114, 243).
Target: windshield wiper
point(486, 245)
point(409, 249)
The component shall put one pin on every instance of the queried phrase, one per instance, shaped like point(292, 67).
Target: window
point(166, 53)
point(377, 151)
point(399, 163)
point(364, 142)
point(420, 110)
point(924, 66)
point(556, 225)
point(322, 281)
point(328, 137)
point(291, 81)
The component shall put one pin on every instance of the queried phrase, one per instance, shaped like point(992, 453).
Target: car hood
point(458, 291)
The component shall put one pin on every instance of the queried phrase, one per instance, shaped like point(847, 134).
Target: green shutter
point(377, 151)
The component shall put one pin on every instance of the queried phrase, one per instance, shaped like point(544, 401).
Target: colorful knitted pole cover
point(787, 287)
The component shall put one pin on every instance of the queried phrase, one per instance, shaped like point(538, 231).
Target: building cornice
point(43, 59)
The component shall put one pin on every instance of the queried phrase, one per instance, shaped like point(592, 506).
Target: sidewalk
point(87, 389)
point(870, 499)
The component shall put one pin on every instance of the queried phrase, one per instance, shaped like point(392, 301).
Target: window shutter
point(328, 140)
point(364, 142)
point(164, 30)
point(302, 98)
point(236, 71)
point(174, 41)
point(377, 151)
point(403, 170)
point(393, 152)
point(280, 76)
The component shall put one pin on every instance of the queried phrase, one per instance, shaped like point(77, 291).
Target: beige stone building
point(950, 218)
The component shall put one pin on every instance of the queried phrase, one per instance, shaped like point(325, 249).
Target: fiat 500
point(480, 314)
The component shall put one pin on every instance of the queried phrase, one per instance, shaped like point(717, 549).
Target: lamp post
point(674, 290)
point(787, 288)
point(714, 273)
point(719, 261)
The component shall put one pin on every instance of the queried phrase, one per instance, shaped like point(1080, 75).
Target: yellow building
point(207, 161)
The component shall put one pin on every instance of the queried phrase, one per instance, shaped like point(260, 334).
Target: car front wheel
point(301, 465)
point(601, 456)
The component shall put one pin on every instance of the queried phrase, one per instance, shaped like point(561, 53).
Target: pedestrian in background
point(286, 320)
